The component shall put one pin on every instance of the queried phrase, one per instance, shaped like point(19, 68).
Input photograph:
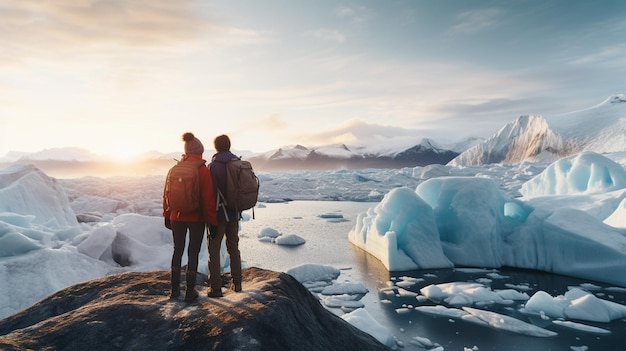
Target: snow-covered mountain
point(57, 154)
point(353, 157)
point(600, 129)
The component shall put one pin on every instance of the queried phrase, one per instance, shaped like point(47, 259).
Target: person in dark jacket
point(194, 222)
point(227, 224)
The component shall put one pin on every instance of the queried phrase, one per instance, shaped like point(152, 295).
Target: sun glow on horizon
point(124, 151)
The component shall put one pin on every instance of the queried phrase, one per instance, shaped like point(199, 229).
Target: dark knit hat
point(192, 144)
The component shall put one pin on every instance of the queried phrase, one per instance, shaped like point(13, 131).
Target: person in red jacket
point(193, 222)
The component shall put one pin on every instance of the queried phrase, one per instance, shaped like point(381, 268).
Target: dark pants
point(179, 234)
point(231, 230)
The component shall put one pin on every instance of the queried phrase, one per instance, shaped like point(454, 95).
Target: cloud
point(355, 15)
point(258, 134)
point(344, 11)
point(107, 47)
point(617, 25)
point(234, 36)
point(64, 29)
point(359, 132)
point(272, 122)
point(605, 55)
point(330, 35)
point(496, 105)
point(474, 21)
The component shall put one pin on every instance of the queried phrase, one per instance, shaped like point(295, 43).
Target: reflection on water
point(326, 239)
point(327, 243)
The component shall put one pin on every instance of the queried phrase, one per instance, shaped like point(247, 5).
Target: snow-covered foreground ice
point(54, 233)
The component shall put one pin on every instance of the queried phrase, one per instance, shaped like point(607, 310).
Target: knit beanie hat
point(192, 144)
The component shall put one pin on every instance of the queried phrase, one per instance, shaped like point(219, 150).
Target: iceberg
point(584, 173)
point(558, 227)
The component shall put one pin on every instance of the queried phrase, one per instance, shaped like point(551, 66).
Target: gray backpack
point(242, 186)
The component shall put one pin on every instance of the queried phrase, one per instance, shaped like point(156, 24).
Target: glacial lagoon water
point(327, 243)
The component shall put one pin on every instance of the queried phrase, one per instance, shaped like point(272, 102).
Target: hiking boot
point(191, 293)
point(214, 293)
point(175, 293)
point(175, 283)
point(235, 283)
point(236, 287)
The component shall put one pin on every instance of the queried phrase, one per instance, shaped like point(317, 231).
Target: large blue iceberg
point(561, 224)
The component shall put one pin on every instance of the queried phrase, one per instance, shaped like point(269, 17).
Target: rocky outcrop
point(131, 311)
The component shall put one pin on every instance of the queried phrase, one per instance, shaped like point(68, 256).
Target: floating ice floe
point(488, 319)
point(574, 304)
point(274, 236)
point(269, 233)
point(500, 321)
point(468, 294)
point(289, 240)
point(361, 319)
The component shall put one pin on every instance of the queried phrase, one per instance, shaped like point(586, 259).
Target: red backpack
point(182, 186)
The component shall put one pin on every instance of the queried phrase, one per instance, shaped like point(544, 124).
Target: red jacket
point(207, 196)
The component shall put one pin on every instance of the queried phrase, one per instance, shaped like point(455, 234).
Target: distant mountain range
point(343, 156)
point(296, 157)
point(601, 128)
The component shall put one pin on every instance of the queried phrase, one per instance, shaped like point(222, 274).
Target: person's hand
point(168, 223)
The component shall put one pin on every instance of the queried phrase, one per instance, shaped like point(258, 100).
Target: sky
point(124, 77)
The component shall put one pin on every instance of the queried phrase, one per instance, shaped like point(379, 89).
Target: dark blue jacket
point(218, 170)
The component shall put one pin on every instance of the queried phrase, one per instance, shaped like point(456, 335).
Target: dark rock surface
point(131, 311)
